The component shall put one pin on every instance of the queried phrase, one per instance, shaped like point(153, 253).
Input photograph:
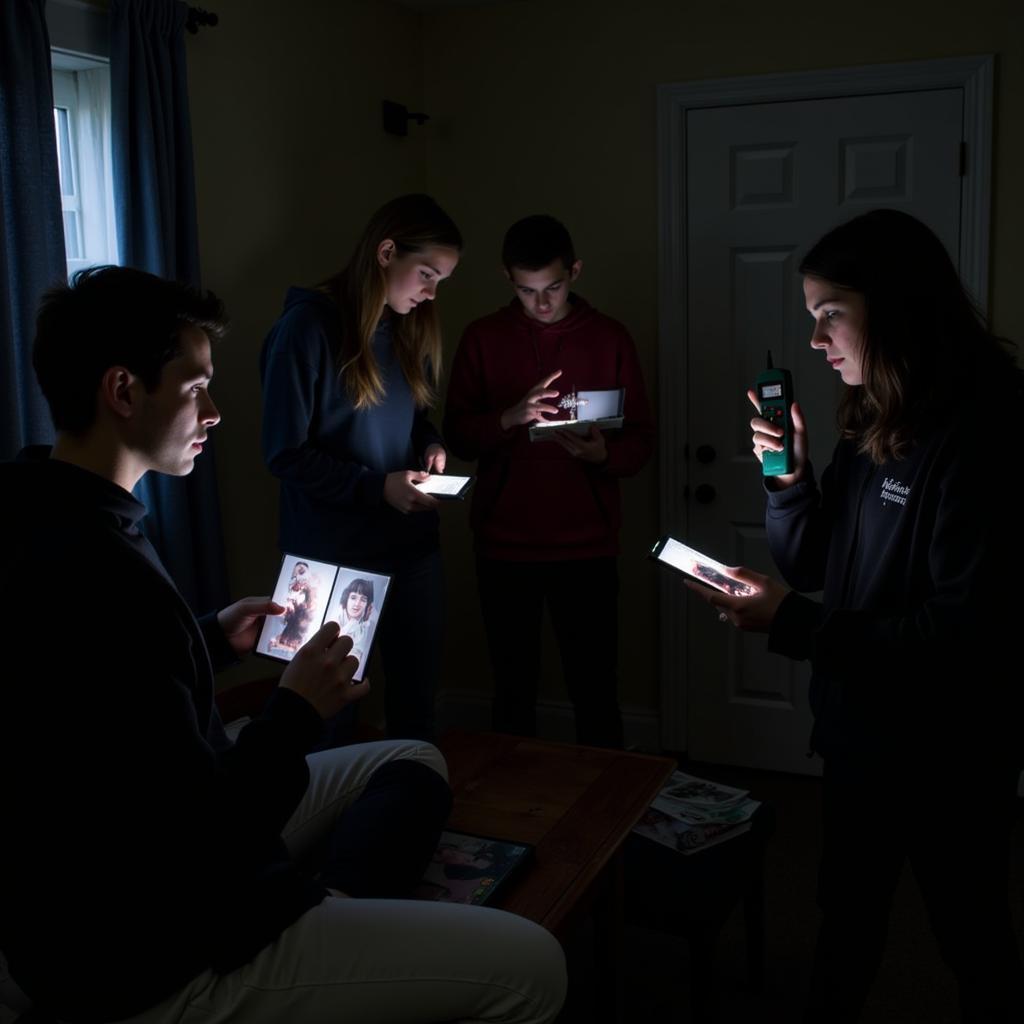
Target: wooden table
point(576, 806)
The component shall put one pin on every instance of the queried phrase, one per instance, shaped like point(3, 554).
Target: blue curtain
point(154, 195)
point(31, 222)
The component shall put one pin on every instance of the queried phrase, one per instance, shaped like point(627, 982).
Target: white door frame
point(973, 74)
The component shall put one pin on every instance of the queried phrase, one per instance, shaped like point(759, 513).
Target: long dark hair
point(414, 223)
point(923, 338)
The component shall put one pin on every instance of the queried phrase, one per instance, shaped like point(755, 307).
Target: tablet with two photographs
point(314, 592)
point(446, 487)
point(603, 409)
point(698, 566)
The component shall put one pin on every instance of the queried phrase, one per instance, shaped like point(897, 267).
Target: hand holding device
point(700, 567)
point(774, 390)
point(754, 613)
point(401, 491)
point(322, 672)
point(533, 406)
point(766, 439)
point(591, 447)
point(241, 621)
point(747, 599)
point(588, 411)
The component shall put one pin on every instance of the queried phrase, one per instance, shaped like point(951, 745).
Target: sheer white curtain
point(97, 180)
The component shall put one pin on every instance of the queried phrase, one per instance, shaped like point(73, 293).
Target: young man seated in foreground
point(152, 868)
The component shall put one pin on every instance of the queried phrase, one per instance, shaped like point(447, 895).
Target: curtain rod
point(197, 18)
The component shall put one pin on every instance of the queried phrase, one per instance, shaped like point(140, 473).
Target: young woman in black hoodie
point(912, 537)
point(349, 372)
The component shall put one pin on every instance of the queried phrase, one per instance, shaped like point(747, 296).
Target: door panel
point(764, 181)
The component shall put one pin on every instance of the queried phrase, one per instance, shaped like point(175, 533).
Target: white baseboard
point(471, 710)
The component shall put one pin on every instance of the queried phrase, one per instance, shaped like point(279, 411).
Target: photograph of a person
point(705, 569)
point(302, 587)
point(470, 869)
point(355, 605)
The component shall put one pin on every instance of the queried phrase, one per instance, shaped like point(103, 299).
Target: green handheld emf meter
point(775, 396)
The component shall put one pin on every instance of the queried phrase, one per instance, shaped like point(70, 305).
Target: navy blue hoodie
point(914, 649)
point(330, 457)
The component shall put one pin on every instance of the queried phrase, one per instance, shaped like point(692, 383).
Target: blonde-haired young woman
point(349, 373)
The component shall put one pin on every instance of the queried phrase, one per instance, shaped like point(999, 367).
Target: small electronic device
point(697, 566)
point(313, 593)
point(774, 390)
point(445, 488)
point(602, 409)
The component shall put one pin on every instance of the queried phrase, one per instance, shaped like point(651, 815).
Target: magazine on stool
point(691, 814)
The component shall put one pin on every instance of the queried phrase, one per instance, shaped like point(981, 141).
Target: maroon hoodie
point(533, 501)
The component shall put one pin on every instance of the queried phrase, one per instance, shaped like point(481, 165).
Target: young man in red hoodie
point(546, 515)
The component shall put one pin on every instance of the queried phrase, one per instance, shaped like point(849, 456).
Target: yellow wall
point(550, 106)
point(536, 105)
point(290, 160)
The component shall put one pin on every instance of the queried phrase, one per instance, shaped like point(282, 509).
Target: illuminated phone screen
point(771, 391)
point(700, 567)
point(443, 485)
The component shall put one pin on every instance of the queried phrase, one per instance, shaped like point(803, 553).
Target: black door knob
point(706, 454)
point(705, 494)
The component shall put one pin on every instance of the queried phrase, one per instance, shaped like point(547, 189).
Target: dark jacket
point(140, 846)
point(533, 500)
point(914, 645)
point(330, 457)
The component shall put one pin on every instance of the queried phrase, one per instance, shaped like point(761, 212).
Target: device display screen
point(599, 405)
point(771, 391)
point(444, 486)
point(313, 593)
point(700, 567)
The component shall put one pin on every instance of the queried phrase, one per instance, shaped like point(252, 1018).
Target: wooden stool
point(695, 894)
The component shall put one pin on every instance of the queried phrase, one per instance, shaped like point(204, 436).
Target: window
point(82, 119)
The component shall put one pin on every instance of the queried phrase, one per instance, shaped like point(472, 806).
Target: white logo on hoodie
point(893, 490)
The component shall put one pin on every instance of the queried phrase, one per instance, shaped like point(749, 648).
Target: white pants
point(388, 961)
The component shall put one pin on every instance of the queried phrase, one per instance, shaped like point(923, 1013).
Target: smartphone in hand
point(700, 567)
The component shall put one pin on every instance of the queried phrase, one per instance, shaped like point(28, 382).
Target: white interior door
point(763, 182)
